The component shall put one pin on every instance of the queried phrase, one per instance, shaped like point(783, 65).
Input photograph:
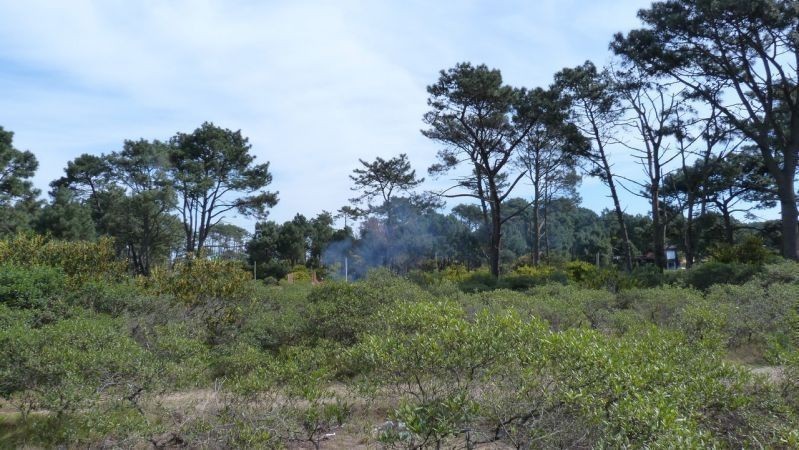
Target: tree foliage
point(739, 57)
point(215, 173)
point(18, 197)
point(481, 122)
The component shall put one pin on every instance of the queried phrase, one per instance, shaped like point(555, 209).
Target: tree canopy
point(214, 173)
point(739, 56)
point(18, 197)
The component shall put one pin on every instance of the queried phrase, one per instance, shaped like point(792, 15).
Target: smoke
point(336, 258)
point(411, 238)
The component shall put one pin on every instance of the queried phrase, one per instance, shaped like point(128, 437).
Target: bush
point(650, 389)
point(783, 272)
point(561, 306)
point(214, 291)
point(69, 364)
point(581, 272)
point(272, 326)
point(435, 361)
point(707, 274)
point(300, 273)
point(521, 278)
point(478, 281)
point(754, 312)
point(750, 251)
point(495, 376)
point(200, 281)
point(114, 298)
point(659, 306)
point(526, 277)
point(790, 383)
point(13, 316)
point(608, 278)
point(285, 399)
point(81, 261)
point(553, 366)
point(455, 272)
point(181, 355)
point(705, 324)
point(339, 311)
point(29, 287)
point(647, 276)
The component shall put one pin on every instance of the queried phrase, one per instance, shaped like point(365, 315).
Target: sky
point(315, 85)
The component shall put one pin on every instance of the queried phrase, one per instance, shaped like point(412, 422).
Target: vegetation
point(201, 355)
point(132, 315)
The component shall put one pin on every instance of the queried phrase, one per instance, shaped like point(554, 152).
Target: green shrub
point(581, 272)
point(300, 273)
point(272, 326)
point(567, 307)
point(521, 278)
point(200, 281)
point(705, 323)
point(181, 355)
point(494, 376)
point(784, 272)
point(650, 389)
point(526, 277)
point(340, 311)
point(212, 291)
point(750, 251)
point(81, 261)
point(279, 317)
point(29, 287)
point(237, 359)
point(705, 275)
point(118, 423)
point(608, 278)
point(790, 359)
point(13, 316)
point(409, 317)
point(562, 306)
point(659, 306)
point(67, 365)
point(114, 298)
point(435, 360)
point(754, 312)
point(455, 272)
point(647, 276)
point(285, 399)
point(478, 281)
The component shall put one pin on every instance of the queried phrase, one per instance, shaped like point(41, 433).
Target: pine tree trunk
point(536, 231)
point(626, 248)
point(496, 235)
point(659, 235)
point(729, 234)
point(790, 231)
point(689, 233)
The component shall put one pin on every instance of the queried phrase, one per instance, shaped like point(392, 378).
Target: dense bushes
point(29, 287)
point(497, 377)
point(202, 356)
point(750, 251)
point(710, 273)
point(67, 365)
point(753, 313)
point(199, 282)
point(81, 261)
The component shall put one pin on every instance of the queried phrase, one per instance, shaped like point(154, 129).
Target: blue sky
point(315, 85)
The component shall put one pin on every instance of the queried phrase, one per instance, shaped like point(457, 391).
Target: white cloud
point(314, 84)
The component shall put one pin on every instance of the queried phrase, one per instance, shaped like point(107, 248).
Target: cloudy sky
point(315, 85)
